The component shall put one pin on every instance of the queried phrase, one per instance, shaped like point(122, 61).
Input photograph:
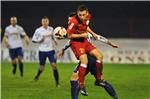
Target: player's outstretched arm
point(113, 44)
point(105, 40)
point(101, 38)
point(93, 33)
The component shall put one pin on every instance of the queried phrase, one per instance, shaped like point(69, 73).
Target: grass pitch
point(130, 81)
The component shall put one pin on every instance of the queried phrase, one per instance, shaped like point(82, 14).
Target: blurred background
point(125, 22)
point(115, 19)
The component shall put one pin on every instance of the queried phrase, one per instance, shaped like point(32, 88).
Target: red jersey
point(76, 26)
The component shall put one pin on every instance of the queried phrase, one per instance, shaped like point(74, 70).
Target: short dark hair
point(72, 14)
point(82, 8)
point(45, 17)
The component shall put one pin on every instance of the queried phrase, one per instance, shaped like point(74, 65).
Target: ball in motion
point(60, 32)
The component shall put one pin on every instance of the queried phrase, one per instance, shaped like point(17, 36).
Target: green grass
point(130, 81)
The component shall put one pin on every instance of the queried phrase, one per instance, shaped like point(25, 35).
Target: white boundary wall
point(130, 51)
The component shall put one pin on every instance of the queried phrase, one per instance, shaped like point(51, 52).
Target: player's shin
point(74, 89)
point(14, 68)
point(39, 72)
point(99, 68)
point(21, 68)
point(82, 72)
point(56, 76)
point(110, 90)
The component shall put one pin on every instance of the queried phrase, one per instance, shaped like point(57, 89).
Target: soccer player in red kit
point(77, 31)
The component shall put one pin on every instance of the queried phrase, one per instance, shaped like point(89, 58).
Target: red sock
point(99, 67)
point(82, 72)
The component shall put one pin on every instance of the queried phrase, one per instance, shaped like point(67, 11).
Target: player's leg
point(74, 85)
point(82, 73)
point(99, 57)
point(110, 90)
point(99, 63)
point(14, 64)
point(74, 81)
point(52, 58)
point(108, 87)
point(79, 50)
point(20, 58)
point(13, 57)
point(42, 59)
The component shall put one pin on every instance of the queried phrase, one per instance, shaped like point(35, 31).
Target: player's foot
point(83, 91)
point(100, 83)
point(36, 78)
point(115, 97)
point(21, 76)
point(14, 71)
point(57, 84)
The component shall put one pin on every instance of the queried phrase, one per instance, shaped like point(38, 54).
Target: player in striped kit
point(45, 37)
point(12, 40)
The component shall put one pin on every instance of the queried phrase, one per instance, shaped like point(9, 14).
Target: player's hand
point(114, 45)
point(60, 54)
point(7, 45)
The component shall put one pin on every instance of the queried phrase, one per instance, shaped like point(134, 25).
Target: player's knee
point(74, 76)
point(100, 57)
point(84, 59)
point(53, 66)
point(42, 67)
point(14, 61)
point(20, 58)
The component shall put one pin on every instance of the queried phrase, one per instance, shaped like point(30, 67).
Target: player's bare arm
point(26, 39)
point(105, 40)
point(93, 33)
point(5, 41)
point(72, 36)
point(112, 44)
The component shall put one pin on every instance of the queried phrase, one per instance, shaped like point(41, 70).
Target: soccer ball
point(60, 32)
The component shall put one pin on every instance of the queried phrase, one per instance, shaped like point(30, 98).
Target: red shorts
point(80, 48)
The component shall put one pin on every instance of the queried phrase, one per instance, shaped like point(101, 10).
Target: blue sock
point(21, 68)
point(110, 90)
point(74, 89)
